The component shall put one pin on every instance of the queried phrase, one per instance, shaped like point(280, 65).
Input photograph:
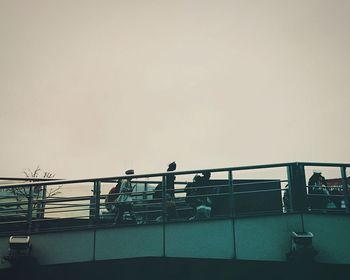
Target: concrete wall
point(331, 237)
point(54, 248)
point(253, 238)
point(129, 242)
point(65, 247)
point(209, 239)
point(3, 252)
point(265, 237)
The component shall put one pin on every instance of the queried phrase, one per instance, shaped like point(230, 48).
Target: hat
point(317, 172)
point(172, 166)
point(129, 172)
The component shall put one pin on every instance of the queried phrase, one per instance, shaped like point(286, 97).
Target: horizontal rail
point(323, 164)
point(259, 191)
point(27, 179)
point(215, 170)
point(77, 181)
point(66, 218)
point(13, 222)
point(65, 211)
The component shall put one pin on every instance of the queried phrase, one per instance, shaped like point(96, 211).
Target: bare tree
point(38, 173)
point(40, 193)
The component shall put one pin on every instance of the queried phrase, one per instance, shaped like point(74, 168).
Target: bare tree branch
point(39, 192)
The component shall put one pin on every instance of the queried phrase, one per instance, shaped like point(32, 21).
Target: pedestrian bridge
point(254, 210)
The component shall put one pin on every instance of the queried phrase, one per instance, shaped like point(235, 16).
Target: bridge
point(248, 223)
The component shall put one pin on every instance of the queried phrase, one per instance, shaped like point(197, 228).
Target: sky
point(92, 88)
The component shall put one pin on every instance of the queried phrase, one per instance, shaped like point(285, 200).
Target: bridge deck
point(249, 218)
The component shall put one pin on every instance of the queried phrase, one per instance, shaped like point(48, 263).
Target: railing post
point(288, 193)
point(41, 206)
point(144, 198)
point(30, 209)
point(297, 187)
point(345, 188)
point(96, 206)
point(231, 193)
point(145, 190)
point(164, 183)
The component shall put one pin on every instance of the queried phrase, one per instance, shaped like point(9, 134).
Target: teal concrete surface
point(265, 237)
point(65, 247)
point(57, 248)
point(129, 242)
point(331, 237)
point(3, 251)
point(204, 239)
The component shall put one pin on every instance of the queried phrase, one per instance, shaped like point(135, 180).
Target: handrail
point(27, 179)
point(214, 170)
point(90, 180)
point(324, 164)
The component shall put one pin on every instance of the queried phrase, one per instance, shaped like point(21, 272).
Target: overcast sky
point(91, 88)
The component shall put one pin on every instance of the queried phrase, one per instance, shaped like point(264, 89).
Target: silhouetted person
point(317, 179)
point(112, 196)
point(170, 205)
point(318, 191)
point(336, 196)
point(123, 202)
point(170, 181)
point(197, 195)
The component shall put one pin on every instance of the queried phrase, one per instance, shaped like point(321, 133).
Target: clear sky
point(91, 88)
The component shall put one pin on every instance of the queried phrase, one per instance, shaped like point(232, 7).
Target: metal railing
point(225, 195)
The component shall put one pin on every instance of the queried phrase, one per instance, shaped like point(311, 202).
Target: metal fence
point(274, 189)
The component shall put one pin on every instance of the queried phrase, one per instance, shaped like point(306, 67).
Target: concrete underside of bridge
point(179, 268)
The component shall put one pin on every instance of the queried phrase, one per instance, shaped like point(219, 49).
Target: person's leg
point(119, 211)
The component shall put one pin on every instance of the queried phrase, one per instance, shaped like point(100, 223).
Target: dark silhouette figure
point(170, 205)
point(336, 196)
point(119, 200)
point(319, 195)
point(170, 181)
point(112, 196)
point(197, 195)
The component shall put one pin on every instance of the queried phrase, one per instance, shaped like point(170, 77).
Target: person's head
point(317, 178)
point(172, 166)
point(196, 178)
point(317, 174)
point(206, 175)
